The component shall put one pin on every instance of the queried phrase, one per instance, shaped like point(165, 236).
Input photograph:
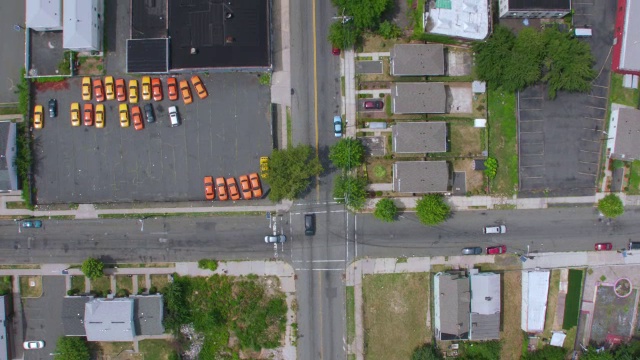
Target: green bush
point(73, 292)
point(386, 210)
point(64, 66)
point(208, 264)
point(153, 290)
point(122, 293)
point(265, 79)
point(92, 268)
point(389, 30)
point(611, 206)
point(617, 164)
point(431, 209)
point(50, 79)
point(491, 168)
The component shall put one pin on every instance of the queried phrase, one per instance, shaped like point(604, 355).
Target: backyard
point(622, 95)
point(633, 187)
point(511, 334)
point(395, 314)
point(466, 140)
point(31, 286)
point(502, 141)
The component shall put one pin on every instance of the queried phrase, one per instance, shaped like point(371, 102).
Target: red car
point(495, 250)
point(88, 114)
point(335, 51)
point(136, 116)
point(172, 87)
point(156, 89)
point(603, 246)
point(121, 90)
point(208, 188)
point(98, 90)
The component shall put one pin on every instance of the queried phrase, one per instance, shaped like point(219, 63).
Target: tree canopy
point(556, 58)
point(290, 171)
point(386, 210)
point(611, 206)
point(71, 348)
point(92, 268)
point(426, 352)
point(347, 153)
point(546, 353)
point(432, 209)
point(365, 15)
point(350, 190)
point(343, 36)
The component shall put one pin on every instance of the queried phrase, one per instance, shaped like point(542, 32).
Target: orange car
point(88, 114)
point(233, 189)
point(222, 189)
point(121, 90)
point(172, 87)
point(156, 89)
point(208, 188)
point(255, 185)
point(199, 86)
point(98, 90)
point(245, 186)
point(136, 116)
point(186, 92)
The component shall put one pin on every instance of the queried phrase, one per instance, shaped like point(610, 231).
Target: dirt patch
point(612, 315)
point(466, 140)
point(475, 179)
point(395, 314)
point(57, 86)
point(459, 98)
point(91, 65)
point(459, 61)
point(379, 170)
point(511, 334)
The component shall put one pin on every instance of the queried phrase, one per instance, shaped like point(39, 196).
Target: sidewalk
point(357, 269)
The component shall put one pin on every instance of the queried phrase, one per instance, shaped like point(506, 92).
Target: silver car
point(31, 345)
point(270, 239)
point(476, 250)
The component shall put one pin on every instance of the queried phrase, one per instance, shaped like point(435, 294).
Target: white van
point(173, 115)
point(500, 229)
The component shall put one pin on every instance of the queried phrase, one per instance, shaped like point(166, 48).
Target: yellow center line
point(315, 90)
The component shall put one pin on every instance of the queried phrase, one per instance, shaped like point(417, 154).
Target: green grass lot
point(634, 178)
point(572, 303)
point(503, 141)
point(621, 95)
point(351, 319)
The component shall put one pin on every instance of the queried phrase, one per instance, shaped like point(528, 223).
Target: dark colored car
point(375, 104)
point(270, 239)
point(148, 112)
point(603, 246)
point(476, 250)
point(31, 224)
point(53, 108)
point(310, 224)
point(495, 250)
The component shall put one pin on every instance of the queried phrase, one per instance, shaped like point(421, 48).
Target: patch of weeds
point(603, 278)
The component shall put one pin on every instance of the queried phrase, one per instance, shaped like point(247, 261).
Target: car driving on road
point(499, 229)
point(270, 239)
point(31, 224)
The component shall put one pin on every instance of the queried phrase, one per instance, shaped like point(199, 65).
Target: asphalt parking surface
point(43, 318)
point(222, 135)
point(560, 140)
point(369, 67)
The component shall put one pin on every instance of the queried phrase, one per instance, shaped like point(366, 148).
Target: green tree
point(347, 153)
point(426, 352)
point(432, 209)
point(524, 66)
point(611, 206)
point(491, 168)
point(343, 36)
point(92, 268)
point(386, 210)
point(366, 14)
point(592, 354)
point(494, 50)
point(389, 30)
point(350, 190)
point(546, 353)
point(71, 348)
point(291, 170)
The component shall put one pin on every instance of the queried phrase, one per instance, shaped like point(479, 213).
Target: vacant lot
point(621, 95)
point(572, 304)
point(31, 286)
point(466, 140)
point(395, 314)
point(502, 141)
point(511, 334)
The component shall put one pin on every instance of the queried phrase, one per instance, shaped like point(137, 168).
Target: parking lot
point(42, 318)
point(560, 140)
point(222, 135)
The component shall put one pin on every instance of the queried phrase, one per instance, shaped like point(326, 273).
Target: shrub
point(389, 30)
point(432, 209)
point(92, 268)
point(386, 210)
point(265, 79)
point(153, 290)
point(122, 293)
point(491, 167)
point(611, 206)
point(73, 292)
point(208, 264)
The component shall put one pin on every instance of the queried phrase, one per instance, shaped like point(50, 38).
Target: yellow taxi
point(133, 91)
point(124, 115)
point(75, 114)
point(146, 88)
point(86, 88)
point(99, 116)
point(109, 88)
point(38, 117)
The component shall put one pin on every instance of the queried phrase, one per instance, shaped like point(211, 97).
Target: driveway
point(222, 135)
point(560, 140)
point(43, 318)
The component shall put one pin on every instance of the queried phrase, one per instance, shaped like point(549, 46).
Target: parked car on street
point(270, 239)
point(31, 345)
point(335, 51)
point(337, 126)
point(494, 250)
point(603, 246)
point(475, 250)
point(31, 224)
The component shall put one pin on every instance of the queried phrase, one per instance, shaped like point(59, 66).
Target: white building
point(44, 15)
point(83, 25)
point(535, 289)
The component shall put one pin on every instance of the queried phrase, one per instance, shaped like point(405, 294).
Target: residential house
point(82, 25)
point(485, 306)
point(417, 59)
point(626, 44)
point(624, 131)
point(535, 289)
point(452, 297)
point(44, 15)
point(8, 170)
point(534, 8)
point(421, 177)
point(419, 137)
point(419, 98)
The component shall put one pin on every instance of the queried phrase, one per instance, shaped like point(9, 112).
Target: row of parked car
point(249, 187)
point(89, 116)
point(150, 88)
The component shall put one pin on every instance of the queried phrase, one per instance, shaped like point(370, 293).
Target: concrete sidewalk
point(357, 269)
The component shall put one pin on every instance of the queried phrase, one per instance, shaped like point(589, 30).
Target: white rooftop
point(44, 14)
point(485, 293)
point(466, 19)
point(630, 50)
point(535, 288)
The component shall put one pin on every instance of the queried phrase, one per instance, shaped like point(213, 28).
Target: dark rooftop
point(73, 315)
point(539, 4)
point(147, 56)
point(148, 19)
point(148, 311)
point(223, 34)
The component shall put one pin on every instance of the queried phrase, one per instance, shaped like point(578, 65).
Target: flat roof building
point(458, 18)
point(626, 48)
point(624, 127)
point(417, 59)
point(534, 8)
point(535, 288)
point(485, 305)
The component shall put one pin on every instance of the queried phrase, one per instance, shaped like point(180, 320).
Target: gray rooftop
point(421, 177)
point(4, 334)
point(109, 320)
point(485, 306)
point(420, 137)
point(8, 173)
point(627, 132)
point(454, 306)
point(417, 59)
point(73, 315)
point(148, 310)
point(419, 98)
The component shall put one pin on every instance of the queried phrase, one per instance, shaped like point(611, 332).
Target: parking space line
point(530, 132)
point(591, 152)
point(595, 141)
point(581, 173)
point(531, 166)
point(532, 177)
point(592, 118)
point(597, 97)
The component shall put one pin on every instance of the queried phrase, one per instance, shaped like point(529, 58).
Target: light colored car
point(498, 229)
point(199, 86)
point(146, 88)
point(173, 116)
point(476, 250)
point(32, 345)
point(38, 117)
point(86, 88)
point(124, 115)
point(133, 91)
point(270, 239)
point(337, 126)
point(186, 92)
point(99, 116)
point(75, 114)
point(109, 89)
